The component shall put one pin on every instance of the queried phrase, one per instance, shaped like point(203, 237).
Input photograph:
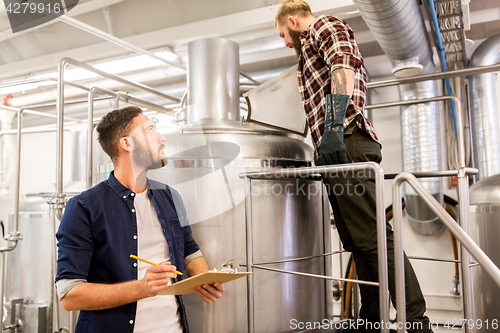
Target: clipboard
point(186, 286)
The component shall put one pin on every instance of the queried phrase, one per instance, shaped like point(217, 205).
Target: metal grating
point(450, 20)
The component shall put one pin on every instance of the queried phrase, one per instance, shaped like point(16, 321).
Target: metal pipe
point(249, 255)
point(15, 235)
point(297, 259)
point(484, 113)
point(114, 40)
point(21, 82)
point(127, 45)
point(355, 294)
point(27, 131)
point(397, 209)
point(380, 213)
point(368, 283)
point(435, 76)
point(68, 61)
point(140, 102)
point(458, 232)
point(58, 199)
point(434, 259)
point(442, 173)
point(2, 288)
point(460, 134)
point(464, 220)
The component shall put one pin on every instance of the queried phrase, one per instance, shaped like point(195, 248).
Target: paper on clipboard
point(187, 286)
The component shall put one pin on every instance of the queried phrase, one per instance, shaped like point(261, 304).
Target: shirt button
point(135, 236)
point(135, 264)
point(124, 197)
point(132, 194)
point(131, 322)
point(133, 210)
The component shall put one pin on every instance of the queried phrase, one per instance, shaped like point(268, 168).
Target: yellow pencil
point(151, 263)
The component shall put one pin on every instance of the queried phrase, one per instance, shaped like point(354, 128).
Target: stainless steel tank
point(485, 229)
point(29, 278)
point(205, 160)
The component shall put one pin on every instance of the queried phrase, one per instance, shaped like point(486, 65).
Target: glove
point(332, 146)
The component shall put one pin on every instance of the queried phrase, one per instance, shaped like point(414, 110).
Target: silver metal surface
point(485, 228)
point(323, 277)
point(458, 104)
point(114, 40)
point(205, 162)
point(29, 267)
point(441, 173)
point(484, 113)
point(380, 213)
point(435, 76)
point(464, 220)
point(127, 45)
point(399, 29)
point(59, 196)
point(213, 80)
point(249, 256)
point(277, 103)
point(457, 231)
point(421, 149)
point(35, 318)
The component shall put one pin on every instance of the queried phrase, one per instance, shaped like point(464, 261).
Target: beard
point(297, 45)
point(146, 158)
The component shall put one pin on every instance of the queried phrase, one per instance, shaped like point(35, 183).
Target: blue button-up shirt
point(97, 235)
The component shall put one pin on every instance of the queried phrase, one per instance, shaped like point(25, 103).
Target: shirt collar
point(122, 191)
point(307, 31)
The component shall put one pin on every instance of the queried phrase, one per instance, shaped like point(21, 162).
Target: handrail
point(435, 76)
point(456, 230)
point(460, 133)
point(58, 201)
point(324, 277)
point(304, 172)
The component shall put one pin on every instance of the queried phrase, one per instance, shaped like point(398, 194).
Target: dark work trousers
point(352, 196)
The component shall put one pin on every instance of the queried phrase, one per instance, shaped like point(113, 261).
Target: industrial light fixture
point(114, 67)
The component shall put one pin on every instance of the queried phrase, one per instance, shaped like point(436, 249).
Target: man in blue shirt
point(128, 214)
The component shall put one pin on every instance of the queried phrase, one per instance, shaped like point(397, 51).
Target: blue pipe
point(442, 58)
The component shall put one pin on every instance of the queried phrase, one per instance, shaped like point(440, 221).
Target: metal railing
point(462, 235)
point(381, 231)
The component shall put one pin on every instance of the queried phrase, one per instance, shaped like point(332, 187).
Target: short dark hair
point(292, 7)
point(114, 126)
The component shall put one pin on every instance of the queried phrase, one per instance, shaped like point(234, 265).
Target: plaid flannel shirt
point(328, 44)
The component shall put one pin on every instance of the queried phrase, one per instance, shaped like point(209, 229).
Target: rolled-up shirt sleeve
point(192, 257)
point(334, 43)
point(65, 285)
point(75, 244)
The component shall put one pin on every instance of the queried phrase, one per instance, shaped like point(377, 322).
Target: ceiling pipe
point(126, 45)
point(399, 29)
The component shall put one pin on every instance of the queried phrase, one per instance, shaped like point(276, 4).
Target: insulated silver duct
point(399, 29)
point(484, 118)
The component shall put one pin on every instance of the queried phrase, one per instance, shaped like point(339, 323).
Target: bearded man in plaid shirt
point(332, 82)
